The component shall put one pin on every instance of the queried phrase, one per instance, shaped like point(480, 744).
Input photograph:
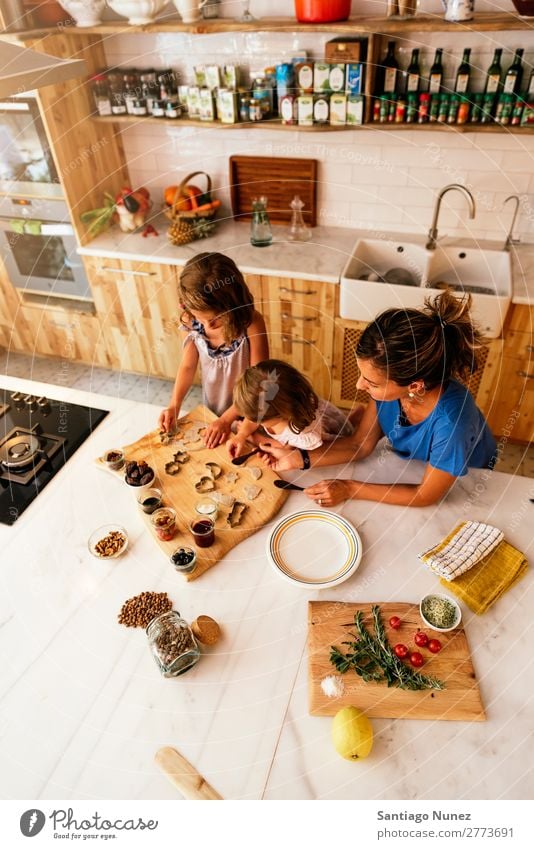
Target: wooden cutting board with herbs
point(356, 643)
point(179, 490)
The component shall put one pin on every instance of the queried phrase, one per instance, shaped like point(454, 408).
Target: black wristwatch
point(305, 459)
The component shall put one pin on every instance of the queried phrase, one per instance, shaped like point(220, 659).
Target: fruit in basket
point(183, 199)
point(352, 733)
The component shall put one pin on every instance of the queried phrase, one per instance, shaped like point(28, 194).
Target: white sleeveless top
point(220, 368)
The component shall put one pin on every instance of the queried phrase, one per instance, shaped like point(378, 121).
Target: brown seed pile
point(171, 644)
point(138, 611)
point(110, 544)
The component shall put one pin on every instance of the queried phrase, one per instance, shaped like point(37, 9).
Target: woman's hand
point(167, 419)
point(280, 458)
point(331, 492)
point(217, 433)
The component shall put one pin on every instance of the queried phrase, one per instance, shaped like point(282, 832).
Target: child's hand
point(217, 433)
point(236, 446)
point(280, 458)
point(167, 419)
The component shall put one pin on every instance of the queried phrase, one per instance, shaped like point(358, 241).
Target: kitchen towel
point(492, 576)
point(462, 549)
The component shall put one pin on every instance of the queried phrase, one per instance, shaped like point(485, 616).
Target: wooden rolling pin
point(183, 775)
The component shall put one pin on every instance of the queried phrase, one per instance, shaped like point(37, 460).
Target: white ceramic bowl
point(138, 12)
point(143, 487)
point(447, 598)
point(102, 532)
point(86, 13)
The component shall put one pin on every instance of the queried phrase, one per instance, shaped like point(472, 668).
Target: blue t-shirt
point(454, 437)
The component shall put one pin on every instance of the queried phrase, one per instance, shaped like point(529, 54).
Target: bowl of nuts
point(139, 474)
point(108, 542)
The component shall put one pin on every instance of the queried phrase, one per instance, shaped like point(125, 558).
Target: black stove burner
point(37, 437)
point(23, 453)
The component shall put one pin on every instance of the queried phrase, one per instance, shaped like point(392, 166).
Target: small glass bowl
point(452, 601)
point(148, 494)
point(207, 507)
point(114, 459)
point(184, 553)
point(100, 534)
point(164, 530)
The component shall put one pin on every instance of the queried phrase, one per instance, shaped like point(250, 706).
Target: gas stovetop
point(37, 437)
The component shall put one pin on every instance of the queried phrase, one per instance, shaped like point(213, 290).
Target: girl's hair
point(212, 282)
point(273, 389)
point(433, 344)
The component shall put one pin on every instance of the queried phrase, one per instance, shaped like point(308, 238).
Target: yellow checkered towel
point(492, 576)
point(462, 549)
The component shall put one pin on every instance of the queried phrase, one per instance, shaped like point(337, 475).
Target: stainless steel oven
point(39, 248)
point(26, 163)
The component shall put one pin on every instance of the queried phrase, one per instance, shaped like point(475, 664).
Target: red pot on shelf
point(322, 11)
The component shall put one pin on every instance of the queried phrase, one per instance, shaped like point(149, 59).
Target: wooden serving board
point(330, 623)
point(179, 492)
point(279, 179)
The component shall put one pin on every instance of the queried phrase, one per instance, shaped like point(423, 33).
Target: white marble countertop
point(322, 258)
point(84, 708)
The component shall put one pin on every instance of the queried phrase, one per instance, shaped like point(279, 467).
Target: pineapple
point(181, 232)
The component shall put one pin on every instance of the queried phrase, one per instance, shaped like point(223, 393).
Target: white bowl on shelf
point(86, 13)
point(138, 12)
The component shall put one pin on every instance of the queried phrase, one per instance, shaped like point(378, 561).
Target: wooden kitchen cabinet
point(138, 310)
point(299, 315)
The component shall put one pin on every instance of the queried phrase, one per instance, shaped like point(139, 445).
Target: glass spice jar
point(172, 644)
point(164, 523)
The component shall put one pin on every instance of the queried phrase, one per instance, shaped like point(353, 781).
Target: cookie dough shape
point(252, 491)
point(236, 514)
point(255, 472)
point(224, 499)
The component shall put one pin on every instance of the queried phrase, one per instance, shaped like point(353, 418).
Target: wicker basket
point(191, 215)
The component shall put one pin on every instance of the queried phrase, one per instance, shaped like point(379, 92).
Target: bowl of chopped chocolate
point(108, 542)
point(114, 459)
point(139, 474)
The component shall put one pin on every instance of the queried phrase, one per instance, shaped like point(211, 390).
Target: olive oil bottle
point(387, 72)
point(494, 74)
point(435, 79)
point(413, 73)
point(463, 74)
point(514, 74)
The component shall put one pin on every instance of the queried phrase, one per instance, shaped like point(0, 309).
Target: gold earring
point(411, 395)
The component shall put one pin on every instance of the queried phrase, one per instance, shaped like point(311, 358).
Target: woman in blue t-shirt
point(409, 361)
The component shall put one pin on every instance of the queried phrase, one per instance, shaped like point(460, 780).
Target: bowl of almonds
point(108, 542)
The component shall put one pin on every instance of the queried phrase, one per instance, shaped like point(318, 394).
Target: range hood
point(23, 69)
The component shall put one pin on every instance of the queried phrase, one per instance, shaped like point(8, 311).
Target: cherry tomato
point(395, 622)
point(416, 658)
point(421, 639)
point(401, 650)
point(434, 646)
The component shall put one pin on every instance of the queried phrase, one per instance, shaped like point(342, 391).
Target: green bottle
point(514, 74)
point(463, 74)
point(388, 71)
point(413, 73)
point(494, 74)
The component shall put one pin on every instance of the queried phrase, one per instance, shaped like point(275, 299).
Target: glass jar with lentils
point(172, 644)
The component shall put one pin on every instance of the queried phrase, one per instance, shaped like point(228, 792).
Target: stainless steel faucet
point(433, 232)
point(510, 237)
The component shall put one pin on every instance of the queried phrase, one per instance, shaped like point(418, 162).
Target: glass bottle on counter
point(514, 74)
point(494, 74)
point(172, 644)
point(261, 235)
point(463, 74)
point(435, 79)
point(298, 229)
point(413, 73)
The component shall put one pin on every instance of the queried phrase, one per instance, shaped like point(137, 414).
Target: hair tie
point(440, 321)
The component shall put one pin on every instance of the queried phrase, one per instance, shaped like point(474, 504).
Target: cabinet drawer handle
point(298, 341)
point(286, 315)
point(525, 374)
point(128, 271)
point(296, 291)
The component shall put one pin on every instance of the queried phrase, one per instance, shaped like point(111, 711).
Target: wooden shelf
point(482, 22)
point(276, 124)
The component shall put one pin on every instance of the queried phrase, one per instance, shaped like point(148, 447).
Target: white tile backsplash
point(372, 178)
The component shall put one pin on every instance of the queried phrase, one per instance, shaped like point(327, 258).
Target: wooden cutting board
point(179, 492)
point(279, 179)
point(330, 623)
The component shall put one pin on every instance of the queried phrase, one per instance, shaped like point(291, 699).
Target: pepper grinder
point(261, 235)
point(298, 230)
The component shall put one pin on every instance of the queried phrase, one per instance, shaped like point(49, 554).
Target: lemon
point(352, 733)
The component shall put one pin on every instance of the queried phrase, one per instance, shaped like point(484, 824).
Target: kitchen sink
point(381, 274)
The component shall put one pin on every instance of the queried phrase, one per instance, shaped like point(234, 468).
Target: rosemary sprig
point(373, 659)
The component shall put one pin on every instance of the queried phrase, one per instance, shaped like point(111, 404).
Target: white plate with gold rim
point(314, 548)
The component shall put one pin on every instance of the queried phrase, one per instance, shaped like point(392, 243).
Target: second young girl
point(224, 333)
point(277, 397)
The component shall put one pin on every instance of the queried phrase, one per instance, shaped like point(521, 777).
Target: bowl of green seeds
point(440, 612)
